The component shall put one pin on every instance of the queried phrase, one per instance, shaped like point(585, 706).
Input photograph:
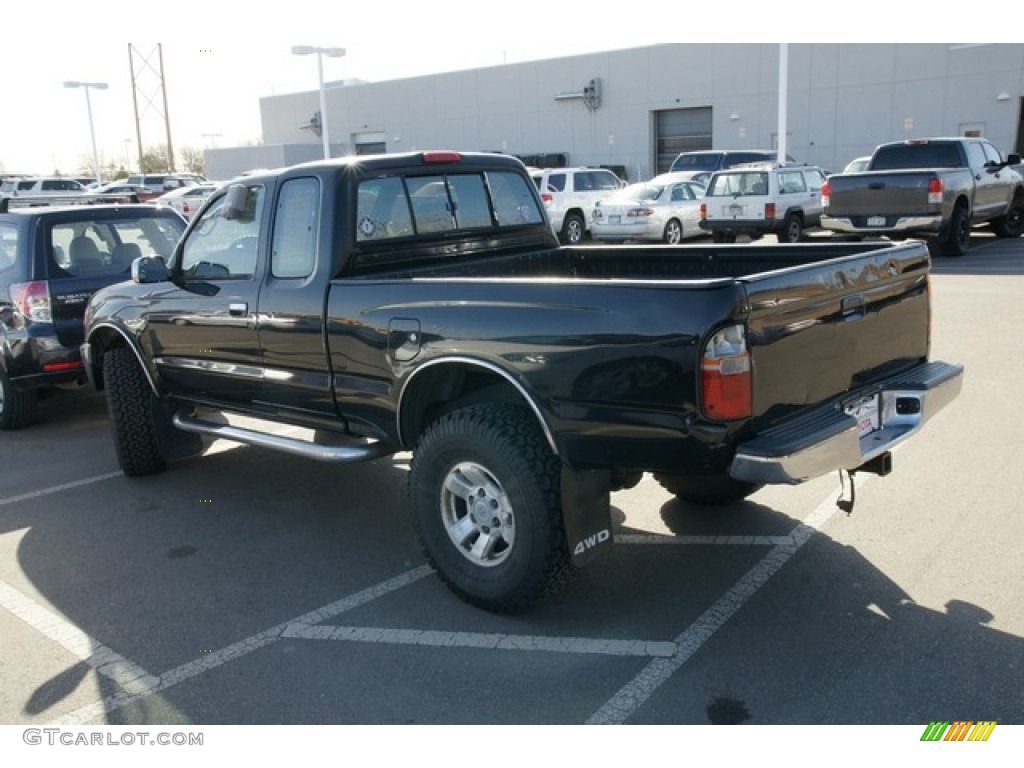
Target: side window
point(791, 182)
point(605, 180)
point(556, 183)
point(221, 248)
point(296, 228)
point(991, 153)
point(975, 154)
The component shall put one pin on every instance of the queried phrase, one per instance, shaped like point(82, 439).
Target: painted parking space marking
point(632, 696)
point(59, 488)
point(665, 657)
point(491, 641)
point(127, 674)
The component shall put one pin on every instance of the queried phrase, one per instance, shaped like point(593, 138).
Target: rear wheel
point(673, 234)
point(573, 229)
point(792, 229)
point(485, 499)
point(957, 237)
point(18, 408)
point(712, 490)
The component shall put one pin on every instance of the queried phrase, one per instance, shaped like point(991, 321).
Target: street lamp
point(306, 50)
point(88, 106)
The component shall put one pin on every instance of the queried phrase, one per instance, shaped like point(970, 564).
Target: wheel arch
point(448, 383)
point(104, 337)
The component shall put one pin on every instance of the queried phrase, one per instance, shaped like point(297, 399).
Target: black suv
point(52, 259)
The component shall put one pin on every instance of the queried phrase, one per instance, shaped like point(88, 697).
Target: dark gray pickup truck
point(936, 189)
point(420, 302)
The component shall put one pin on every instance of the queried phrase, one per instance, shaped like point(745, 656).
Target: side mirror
point(150, 269)
point(236, 203)
point(1013, 159)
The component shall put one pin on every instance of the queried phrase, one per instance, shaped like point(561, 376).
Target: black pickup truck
point(420, 302)
point(937, 189)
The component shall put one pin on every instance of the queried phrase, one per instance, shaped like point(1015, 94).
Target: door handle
point(238, 308)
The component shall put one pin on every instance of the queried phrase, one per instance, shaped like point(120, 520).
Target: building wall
point(842, 100)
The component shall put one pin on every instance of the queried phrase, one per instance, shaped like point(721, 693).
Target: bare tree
point(193, 160)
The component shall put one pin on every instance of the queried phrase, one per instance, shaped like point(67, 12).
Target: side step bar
point(342, 454)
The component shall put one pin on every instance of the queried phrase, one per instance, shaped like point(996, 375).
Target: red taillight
point(547, 198)
point(935, 190)
point(441, 156)
point(33, 300)
point(769, 210)
point(639, 213)
point(825, 195)
point(726, 378)
point(703, 210)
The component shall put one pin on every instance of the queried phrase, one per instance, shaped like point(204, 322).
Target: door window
point(221, 248)
point(296, 229)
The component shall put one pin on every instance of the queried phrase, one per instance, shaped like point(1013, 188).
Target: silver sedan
point(651, 210)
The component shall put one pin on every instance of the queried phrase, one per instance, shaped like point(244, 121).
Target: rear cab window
point(400, 206)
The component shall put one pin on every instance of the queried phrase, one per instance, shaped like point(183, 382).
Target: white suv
point(42, 186)
point(762, 198)
point(569, 195)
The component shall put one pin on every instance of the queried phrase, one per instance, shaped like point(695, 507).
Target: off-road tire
point(712, 491)
point(505, 547)
point(133, 409)
point(18, 408)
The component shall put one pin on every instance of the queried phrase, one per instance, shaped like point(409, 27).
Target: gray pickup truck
point(936, 189)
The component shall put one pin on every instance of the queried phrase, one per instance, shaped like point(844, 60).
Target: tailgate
point(880, 193)
point(822, 330)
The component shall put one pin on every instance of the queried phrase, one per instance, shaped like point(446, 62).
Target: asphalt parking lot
point(249, 587)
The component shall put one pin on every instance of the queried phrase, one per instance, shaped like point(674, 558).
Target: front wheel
point(133, 412)
point(712, 490)
point(673, 234)
point(485, 499)
point(1012, 223)
point(573, 229)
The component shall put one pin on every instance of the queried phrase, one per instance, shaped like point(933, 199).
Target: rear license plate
point(735, 210)
point(876, 221)
point(614, 219)
point(865, 411)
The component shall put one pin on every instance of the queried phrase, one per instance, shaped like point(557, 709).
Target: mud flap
point(586, 512)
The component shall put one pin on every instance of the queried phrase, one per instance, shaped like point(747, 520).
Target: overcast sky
point(221, 56)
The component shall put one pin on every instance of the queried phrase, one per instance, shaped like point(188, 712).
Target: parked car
point(187, 200)
point(52, 259)
point(763, 198)
point(701, 177)
point(162, 182)
point(669, 212)
point(718, 159)
point(569, 195)
point(128, 193)
point(858, 164)
point(42, 186)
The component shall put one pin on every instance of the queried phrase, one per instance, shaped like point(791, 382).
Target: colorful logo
point(959, 730)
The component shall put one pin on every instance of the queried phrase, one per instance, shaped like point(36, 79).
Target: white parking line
point(59, 488)
point(126, 673)
point(631, 696)
point(668, 656)
point(492, 641)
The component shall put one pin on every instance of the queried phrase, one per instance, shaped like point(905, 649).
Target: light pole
point(88, 106)
point(305, 50)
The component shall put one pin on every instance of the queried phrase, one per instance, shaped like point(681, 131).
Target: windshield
point(736, 184)
point(695, 162)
